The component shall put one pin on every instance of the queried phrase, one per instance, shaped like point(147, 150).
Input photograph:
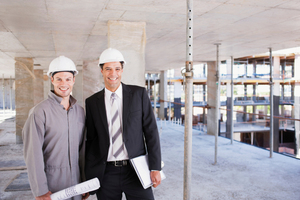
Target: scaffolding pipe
point(149, 85)
point(188, 122)
point(169, 98)
point(10, 93)
point(271, 105)
point(232, 101)
point(218, 104)
point(154, 85)
point(3, 94)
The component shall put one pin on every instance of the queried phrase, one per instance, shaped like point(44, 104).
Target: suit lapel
point(127, 97)
point(102, 109)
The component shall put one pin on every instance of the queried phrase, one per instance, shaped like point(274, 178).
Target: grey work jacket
point(52, 138)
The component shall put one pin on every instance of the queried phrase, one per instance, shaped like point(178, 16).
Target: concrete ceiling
point(44, 29)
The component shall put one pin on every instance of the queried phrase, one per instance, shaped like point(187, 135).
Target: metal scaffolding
point(188, 126)
point(271, 105)
point(232, 101)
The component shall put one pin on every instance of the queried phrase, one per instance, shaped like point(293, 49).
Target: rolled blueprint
point(75, 190)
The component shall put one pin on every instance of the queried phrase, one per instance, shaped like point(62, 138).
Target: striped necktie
point(116, 131)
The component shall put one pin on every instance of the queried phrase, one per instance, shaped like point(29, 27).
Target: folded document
point(141, 167)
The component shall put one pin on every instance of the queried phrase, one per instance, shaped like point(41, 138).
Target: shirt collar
point(58, 99)
point(118, 92)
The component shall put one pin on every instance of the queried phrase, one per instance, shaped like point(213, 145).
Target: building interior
point(223, 68)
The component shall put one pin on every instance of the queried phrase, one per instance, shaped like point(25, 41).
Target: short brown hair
point(122, 64)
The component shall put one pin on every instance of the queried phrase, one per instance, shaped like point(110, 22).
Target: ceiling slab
point(78, 29)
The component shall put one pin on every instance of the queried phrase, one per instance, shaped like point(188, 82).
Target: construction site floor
point(241, 172)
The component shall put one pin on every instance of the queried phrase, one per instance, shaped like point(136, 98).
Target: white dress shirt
point(119, 99)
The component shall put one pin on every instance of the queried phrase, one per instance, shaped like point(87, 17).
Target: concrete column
point(47, 84)
point(177, 99)
point(92, 78)
point(12, 94)
point(154, 96)
point(228, 102)
point(24, 93)
point(163, 84)
point(282, 97)
point(177, 95)
point(254, 100)
point(282, 92)
point(254, 68)
point(276, 102)
point(245, 70)
point(297, 104)
point(212, 98)
point(283, 69)
point(5, 94)
point(130, 39)
point(38, 86)
point(292, 91)
point(78, 87)
point(148, 85)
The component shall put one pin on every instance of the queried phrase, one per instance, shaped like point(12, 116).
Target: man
point(53, 135)
point(120, 126)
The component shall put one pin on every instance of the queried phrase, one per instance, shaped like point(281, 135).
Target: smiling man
point(120, 126)
point(53, 135)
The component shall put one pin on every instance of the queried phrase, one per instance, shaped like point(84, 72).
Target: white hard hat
point(61, 64)
point(111, 55)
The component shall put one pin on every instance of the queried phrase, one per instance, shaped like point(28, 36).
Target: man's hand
point(85, 196)
point(44, 197)
point(155, 178)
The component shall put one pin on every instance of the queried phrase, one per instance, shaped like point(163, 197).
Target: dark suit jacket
point(140, 133)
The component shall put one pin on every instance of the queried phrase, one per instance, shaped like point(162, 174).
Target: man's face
point(112, 74)
point(63, 83)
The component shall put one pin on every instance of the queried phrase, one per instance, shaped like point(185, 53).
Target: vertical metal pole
point(148, 75)
point(188, 126)
point(204, 99)
point(218, 104)
point(154, 85)
point(10, 93)
point(170, 98)
point(271, 105)
point(3, 94)
point(232, 101)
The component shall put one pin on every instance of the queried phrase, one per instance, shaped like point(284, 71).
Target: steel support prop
point(154, 85)
point(10, 93)
point(188, 122)
point(232, 101)
point(148, 76)
point(3, 94)
point(170, 98)
point(271, 105)
point(218, 104)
